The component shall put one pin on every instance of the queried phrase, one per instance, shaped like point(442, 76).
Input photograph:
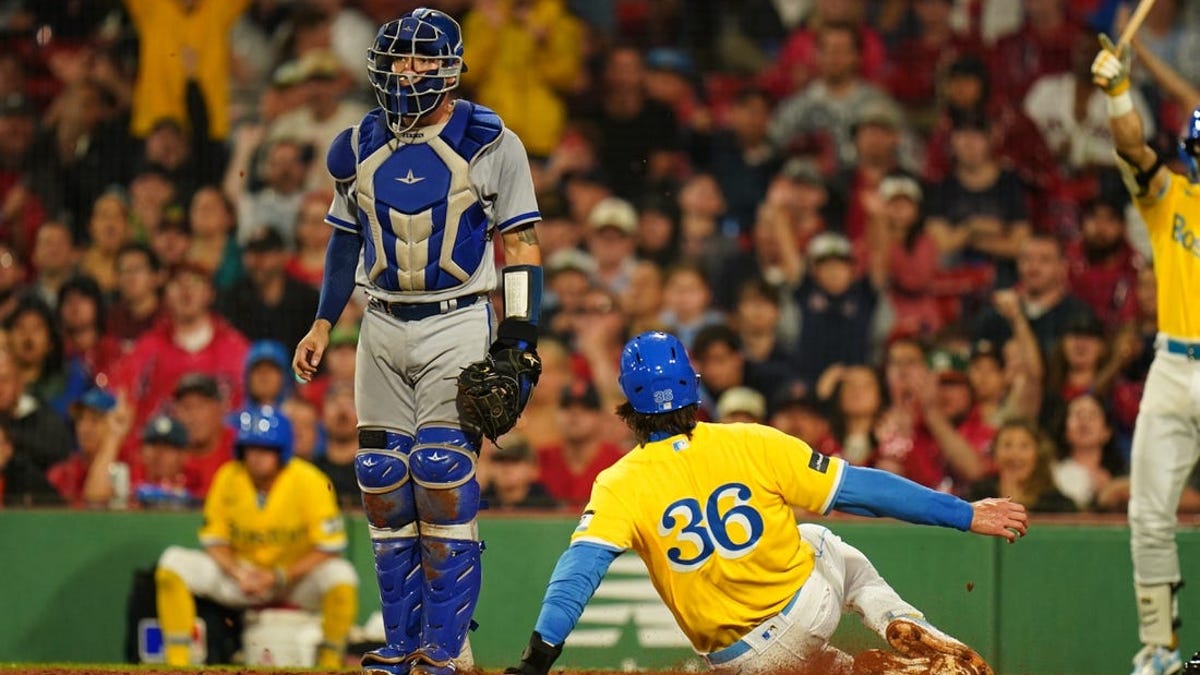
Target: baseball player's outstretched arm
point(875, 493)
point(1139, 163)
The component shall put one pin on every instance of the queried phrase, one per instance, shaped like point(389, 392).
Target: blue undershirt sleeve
point(576, 576)
point(875, 493)
point(341, 259)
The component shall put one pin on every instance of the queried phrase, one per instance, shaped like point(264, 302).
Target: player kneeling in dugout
point(272, 533)
point(709, 509)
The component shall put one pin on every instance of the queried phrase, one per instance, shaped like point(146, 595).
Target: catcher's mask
point(656, 375)
point(422, 34)
point(1189, 146)
point(263, 427)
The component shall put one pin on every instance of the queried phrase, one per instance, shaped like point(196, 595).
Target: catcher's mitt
point(493, 392)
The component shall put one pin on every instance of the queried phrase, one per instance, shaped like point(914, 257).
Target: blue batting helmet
point(656, 375)
point(263, 427)
point(1189, 146)
point(424, 34)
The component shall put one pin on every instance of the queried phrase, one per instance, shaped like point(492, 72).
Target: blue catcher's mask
point(656, 375)
point(421, 36)
point(264, 427)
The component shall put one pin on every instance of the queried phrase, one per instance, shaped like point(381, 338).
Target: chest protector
point(425, 226)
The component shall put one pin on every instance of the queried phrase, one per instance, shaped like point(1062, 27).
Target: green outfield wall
point(1060, 601)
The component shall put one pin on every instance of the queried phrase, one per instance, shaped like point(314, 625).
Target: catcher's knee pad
point(443, 468)
point(382, 469)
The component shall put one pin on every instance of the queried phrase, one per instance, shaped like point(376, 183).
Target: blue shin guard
point(447, 498)
point(381, 467)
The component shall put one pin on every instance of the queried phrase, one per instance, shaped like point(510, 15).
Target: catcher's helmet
point(263, 427)
point(421, 34)
point(1189, 146)
point(656, 375)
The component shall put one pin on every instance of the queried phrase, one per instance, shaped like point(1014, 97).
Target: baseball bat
point(1135, 22)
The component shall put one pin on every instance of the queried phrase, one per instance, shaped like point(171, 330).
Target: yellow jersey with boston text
point(712, 518)
point(298, 514)
point(1173, 219)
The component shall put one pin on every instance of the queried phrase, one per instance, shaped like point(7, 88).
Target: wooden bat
point(1135, 22)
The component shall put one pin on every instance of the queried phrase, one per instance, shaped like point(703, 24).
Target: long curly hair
point(643, 425)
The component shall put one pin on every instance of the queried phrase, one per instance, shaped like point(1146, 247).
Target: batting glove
point(1110, 69)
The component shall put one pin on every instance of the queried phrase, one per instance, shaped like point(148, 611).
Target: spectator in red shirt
point(797, 64)
point(1103, 267)
point(101, 423)
point(137, 306)
point(916, 61)
point(1041, 46)
point(192, 339)
point(568, 470)
point(201, 408)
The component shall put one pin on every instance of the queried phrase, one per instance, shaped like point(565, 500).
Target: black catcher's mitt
point(493, 392)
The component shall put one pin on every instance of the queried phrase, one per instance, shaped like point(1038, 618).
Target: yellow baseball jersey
point(712, 518)
point(298, 515)
point(1173, 219)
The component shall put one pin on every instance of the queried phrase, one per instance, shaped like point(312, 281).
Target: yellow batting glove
point(1110, 69)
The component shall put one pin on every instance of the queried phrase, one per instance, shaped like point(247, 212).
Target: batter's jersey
point(299, 514)
point(712, 519)
point(1173, 219)
point(427, 204)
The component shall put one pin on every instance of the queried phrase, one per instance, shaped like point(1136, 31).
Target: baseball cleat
point(1157, 660)
point(916, 637)
point(386, 661)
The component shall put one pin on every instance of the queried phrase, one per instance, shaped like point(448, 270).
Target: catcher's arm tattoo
point(521, 247)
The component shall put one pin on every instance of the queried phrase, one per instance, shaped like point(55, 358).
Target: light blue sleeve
point(875, 493)
point(575, 579)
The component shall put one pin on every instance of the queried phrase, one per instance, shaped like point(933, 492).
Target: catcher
point(708, 508)
point(423, 183)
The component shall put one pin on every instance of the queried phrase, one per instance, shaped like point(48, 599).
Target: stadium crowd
point(893, 229)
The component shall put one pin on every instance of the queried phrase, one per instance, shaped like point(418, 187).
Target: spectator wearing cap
point(200, 405)
point(35, 341)
point(978, 214)
point(612, 224)
point(23, 199)
point(325, 112)
point(739, 156)
point(340, 421)
point(137, 304)
point(22, 483)
point(949, 413)
point(741, 404)
point(641, 136)
point(39, 437)
point(514, 483)
point(267, 374)
point(211, 222)
point(307, 263)
point(882, 148)
point(818, 118)
point(191, 339)
point(158, 480)
point(179, 42)
point(671, 80)
point(268, 304)
point(569, 469)
point(902, 257)
point(524, 59)
point(101, 423)
point(55, 259)
point(837, 308)
point(1102, 266)
point(89, 352)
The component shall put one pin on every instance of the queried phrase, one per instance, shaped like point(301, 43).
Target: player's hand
point(1110, 69)
point(310, 350)
point(1007, 304)
point(999, 517)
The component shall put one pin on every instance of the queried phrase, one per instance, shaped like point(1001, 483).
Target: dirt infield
point(233, 670)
